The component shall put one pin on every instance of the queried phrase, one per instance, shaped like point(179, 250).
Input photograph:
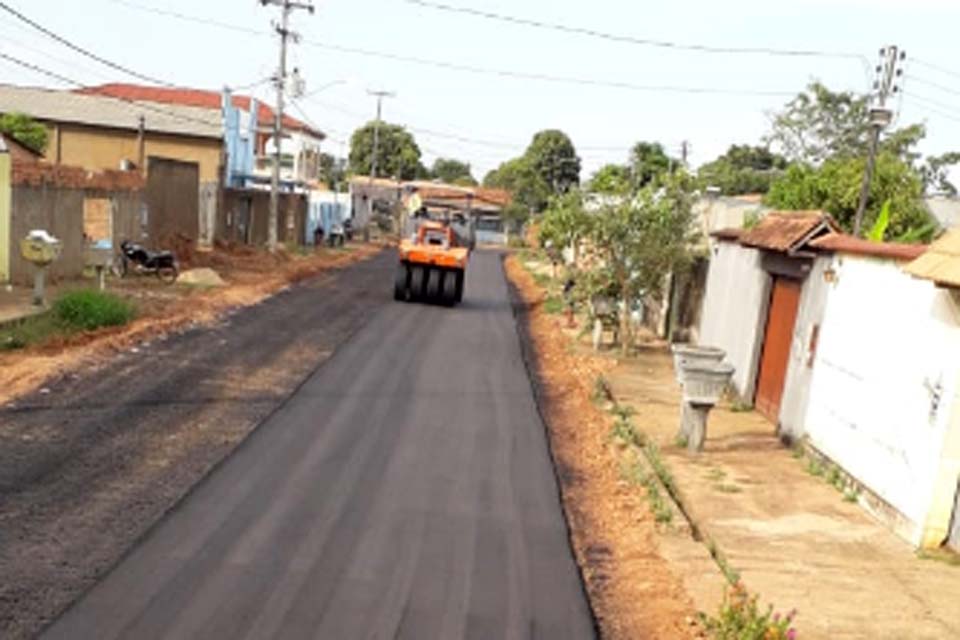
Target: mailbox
point(40, 248)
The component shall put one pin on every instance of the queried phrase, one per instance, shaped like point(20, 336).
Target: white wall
point(886, 339)
point(734, 309)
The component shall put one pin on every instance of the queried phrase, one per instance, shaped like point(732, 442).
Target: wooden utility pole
point(286, 8)
point(880, 117)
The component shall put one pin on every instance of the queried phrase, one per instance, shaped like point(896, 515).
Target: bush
point(87, 310)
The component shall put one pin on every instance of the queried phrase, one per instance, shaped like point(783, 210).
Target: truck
point(433, 265)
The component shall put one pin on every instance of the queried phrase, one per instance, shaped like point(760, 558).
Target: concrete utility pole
point(380, 95)
point(880, 117)
point(684, 152)
point(286, 8)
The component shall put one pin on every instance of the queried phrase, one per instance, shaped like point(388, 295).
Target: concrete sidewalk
point(794, 539)
point(16, 305)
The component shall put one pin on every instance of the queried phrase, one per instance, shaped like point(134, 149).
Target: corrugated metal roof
point(787, 230)
point(941, 261)
point(729, 233)
point(843, 243)
point(68, 107)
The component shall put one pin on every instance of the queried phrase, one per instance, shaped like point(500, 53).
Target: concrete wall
point(4, 217)
point(98, 148)
point(245, 212)
point(884, 401)
point(796, 391)
point(735, 309)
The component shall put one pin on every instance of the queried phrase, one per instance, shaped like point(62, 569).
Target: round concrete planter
point(692, 354)
point(704, 382)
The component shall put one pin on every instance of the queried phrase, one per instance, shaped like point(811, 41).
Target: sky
point(486, 115)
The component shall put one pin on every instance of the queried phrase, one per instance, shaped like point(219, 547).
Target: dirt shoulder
point(251, 276)
point(632, 588)
point(100, 453)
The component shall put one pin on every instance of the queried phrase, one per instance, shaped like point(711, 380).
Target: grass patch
point(815, 469)
point(716, 474)
point(727, 488)
point(542, 279)
point(87, 309)
point(731, 574)
point(73, 312)
point(738, 406)
point(599, 389)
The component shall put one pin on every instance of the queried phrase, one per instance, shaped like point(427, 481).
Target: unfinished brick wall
point(41, 174)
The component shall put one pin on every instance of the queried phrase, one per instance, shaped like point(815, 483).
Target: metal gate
point(778, 338)
point(173, 200)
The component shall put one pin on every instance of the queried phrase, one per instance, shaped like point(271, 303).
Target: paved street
point(405, 490)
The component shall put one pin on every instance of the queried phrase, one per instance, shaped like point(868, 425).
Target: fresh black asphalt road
point(404, 491)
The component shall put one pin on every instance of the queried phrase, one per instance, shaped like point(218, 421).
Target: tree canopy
point(742, 169)
point(398, 155)
point(520, 178)
point(453, 171)
point(611, 179)
point(24, 130)
point(649, 161)
point(333, 171)
point(552, 155)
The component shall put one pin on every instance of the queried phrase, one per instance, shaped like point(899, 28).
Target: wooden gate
point(778, 337)
point(173, 200)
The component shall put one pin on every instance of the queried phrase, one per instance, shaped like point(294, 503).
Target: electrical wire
point(935, 103)
point(933, 85)
point(479, 70)
point(666, 44)
point(70, 45)
point(137, 103)
point(935, 67)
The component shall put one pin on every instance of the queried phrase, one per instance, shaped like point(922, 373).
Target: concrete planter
point(693, 354)
point(704, 382)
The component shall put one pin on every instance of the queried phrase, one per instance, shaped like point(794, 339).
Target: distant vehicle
point(433, 266)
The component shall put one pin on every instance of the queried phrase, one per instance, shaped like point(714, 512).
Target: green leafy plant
point(600, 389)
point(740, 617)
point(88, 309)
point(553, 305)
point(879, 228)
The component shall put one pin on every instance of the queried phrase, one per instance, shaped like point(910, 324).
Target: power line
point(79, 49)
point(479, 70)
point(666, 44)
point(933, 85)
point(934, 67)
point(140, 104)
point(936, 103)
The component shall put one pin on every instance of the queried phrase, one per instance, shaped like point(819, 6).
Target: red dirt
point(632, 588)
point(251, 274)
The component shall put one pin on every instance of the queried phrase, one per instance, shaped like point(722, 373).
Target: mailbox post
point(40, 248)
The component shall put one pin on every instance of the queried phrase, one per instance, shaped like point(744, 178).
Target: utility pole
point(684, 152)
point(880, 117)
point(380, 95)
point(286, 8)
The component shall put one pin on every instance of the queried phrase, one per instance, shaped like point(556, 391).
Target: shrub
point(88, 309)
point(740, 618)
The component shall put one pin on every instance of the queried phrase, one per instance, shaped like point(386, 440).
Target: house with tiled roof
point(300, 146)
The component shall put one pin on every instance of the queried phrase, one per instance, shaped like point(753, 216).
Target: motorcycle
point(135, 258)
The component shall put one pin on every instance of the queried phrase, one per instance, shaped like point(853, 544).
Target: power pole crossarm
point(380, 95)
point(286, 8)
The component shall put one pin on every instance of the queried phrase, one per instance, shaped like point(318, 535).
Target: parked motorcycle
point(134, 258)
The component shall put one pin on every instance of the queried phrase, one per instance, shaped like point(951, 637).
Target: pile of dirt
point(252, 275)
point(632, 588)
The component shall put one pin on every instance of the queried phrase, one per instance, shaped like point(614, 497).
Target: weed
point(553, 305)
point(835, 478)
point(732, 575)
point(624, 430)
point(727, 488)
point(542, 279)
point(600, 389)
point(681, 441)
point(851, 495)
point(944, 556)
point(716, 474)
point(87, 309)
point(814, 468)
point(797, 452)
point(623, 412)
point(662, 512)
point(739, 406)
point(740, 618)
point(653, 455)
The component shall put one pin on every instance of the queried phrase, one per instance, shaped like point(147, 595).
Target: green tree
point(565, 222)
point(333, 172)
point(452, 171)
point(398, 155)
point(25, 130)
point(936, 177)
point(521, 179)
point(611, 179)
point(742, 169)
point(834, 187)
point(641, 239)
point(552, 155)
point(648, 162)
